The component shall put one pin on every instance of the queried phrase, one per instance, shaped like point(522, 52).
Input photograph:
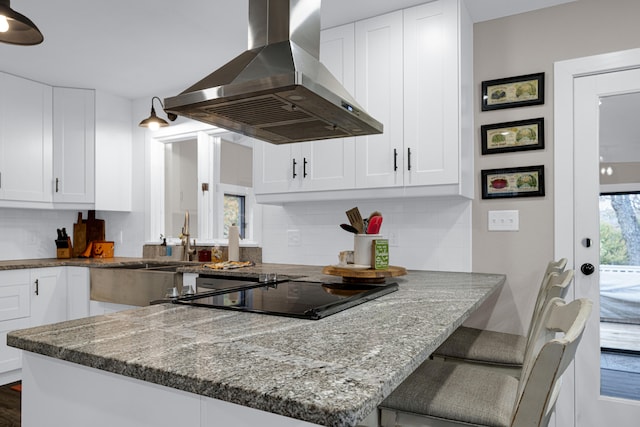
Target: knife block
point(65, 252)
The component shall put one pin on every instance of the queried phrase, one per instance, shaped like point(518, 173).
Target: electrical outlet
point(293, 237)
point(392, 236)
point(504, 220)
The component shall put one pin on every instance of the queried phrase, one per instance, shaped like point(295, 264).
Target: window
point(207, 172)
point(234, 213)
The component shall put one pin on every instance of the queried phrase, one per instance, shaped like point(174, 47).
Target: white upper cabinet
point(25, 140)
point(317, 165)
point(379, 92)
point(113, 153)
point(329, 162)
point(413, 71)
point(73, 145)
point(438, 138)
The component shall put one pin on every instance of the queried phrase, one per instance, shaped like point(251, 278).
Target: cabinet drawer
point(10, 358)
point(14, 301)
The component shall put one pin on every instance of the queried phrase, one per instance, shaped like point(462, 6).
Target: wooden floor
point(9, 407)
point(620, 360)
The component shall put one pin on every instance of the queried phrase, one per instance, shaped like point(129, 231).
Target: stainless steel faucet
point(186, 242)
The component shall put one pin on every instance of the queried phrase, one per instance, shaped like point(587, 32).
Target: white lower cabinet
point(14, 314)
point(49, 296)
point(36, 297)
point(77, 292)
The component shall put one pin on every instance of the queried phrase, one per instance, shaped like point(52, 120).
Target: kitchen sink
point(135, 284)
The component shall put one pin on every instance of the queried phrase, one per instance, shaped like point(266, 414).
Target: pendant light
point(154, 122)
point(16, 28)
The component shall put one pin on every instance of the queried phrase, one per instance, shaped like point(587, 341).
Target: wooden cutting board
point(79, 236)
point(364, 274)
point(95, 228)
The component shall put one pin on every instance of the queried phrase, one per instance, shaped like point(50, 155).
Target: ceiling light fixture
point(16, 28)
point(154, 122)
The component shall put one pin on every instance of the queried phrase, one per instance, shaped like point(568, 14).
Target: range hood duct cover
point(277, 90)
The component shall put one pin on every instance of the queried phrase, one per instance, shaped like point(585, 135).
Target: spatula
point(356, 219)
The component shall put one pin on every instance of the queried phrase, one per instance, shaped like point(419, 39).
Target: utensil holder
point(362, 248)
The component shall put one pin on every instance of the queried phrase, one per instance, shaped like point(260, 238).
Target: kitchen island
point(179, 365)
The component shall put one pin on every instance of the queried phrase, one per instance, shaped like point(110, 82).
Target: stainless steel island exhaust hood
point(277, 90)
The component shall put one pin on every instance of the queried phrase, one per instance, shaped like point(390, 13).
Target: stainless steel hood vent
point(277, 90)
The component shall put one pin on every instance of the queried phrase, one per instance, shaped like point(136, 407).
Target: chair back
point(556, 267)
point(555, 285)
point(543, 368)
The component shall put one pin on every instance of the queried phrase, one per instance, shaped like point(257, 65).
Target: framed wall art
point(513, 136)
point(513, 182)
point(513, 92)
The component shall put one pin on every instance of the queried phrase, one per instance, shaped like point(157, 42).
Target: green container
point(380, 249)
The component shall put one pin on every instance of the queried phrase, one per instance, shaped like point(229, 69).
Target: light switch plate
point(504, 220)
point(293, 238)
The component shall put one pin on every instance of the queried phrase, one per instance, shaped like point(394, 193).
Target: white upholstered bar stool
point(441, 394)
point(500, 350)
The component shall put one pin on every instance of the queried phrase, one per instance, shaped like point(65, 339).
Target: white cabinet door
point(14, 314)
point(25, 140)
point(49, 296)
point(113, 153)
point(274, 168)
point(77, 292)
point(330, 164)
point(431, 94)
point(73, 145)
point(379, 90)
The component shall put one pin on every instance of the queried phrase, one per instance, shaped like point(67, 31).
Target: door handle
point(395, 159)
point(37, 287)
point(294, 168)
point(57, 182)
point(409, 159)
point(304, 167)
point(587, 269)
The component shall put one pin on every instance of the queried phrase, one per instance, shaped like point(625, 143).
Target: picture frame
point(521, 135)
point(513, 182)
point(511, 92)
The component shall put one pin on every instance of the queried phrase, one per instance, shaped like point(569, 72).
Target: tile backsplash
point(30, 233)
point(425, 233)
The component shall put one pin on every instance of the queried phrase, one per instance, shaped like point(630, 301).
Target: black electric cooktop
point(308, 300)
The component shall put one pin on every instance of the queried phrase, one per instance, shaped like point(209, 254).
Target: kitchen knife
point(349, 228)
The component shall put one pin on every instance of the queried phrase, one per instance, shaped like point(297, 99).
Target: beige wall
point(524, 44)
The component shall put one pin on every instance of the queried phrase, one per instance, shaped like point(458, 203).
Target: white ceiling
point(138, 48)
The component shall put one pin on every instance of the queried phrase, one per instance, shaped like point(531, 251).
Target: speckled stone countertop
point(75, 262)
point(331, 372)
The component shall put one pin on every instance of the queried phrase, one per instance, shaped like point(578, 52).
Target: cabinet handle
point(409, 159)
point(395, 160)
point(37, 287)
point(304, 167)
point(57, 182)
point(294, 168)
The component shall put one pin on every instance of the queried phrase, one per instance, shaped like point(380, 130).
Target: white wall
point(524, 44)
point(431, 234)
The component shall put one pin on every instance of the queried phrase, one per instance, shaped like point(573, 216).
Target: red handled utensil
point(375, 222)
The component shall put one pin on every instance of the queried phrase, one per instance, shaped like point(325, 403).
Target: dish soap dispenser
point(234, 243)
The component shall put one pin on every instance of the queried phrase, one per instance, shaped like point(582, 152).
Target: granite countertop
point(74, 262)
point(332, 372)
